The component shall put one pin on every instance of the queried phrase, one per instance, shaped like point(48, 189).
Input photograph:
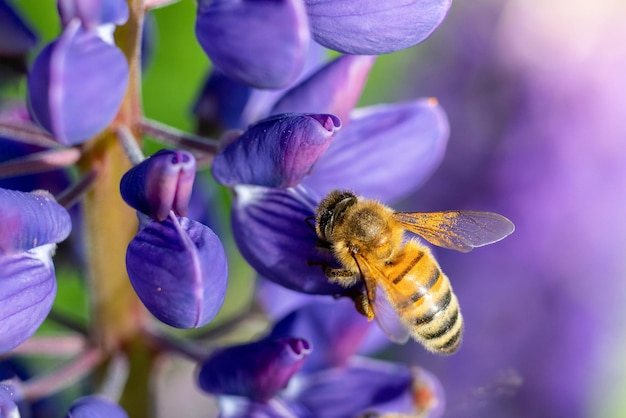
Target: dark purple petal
point(364, 385)
point(276, 152)
point(29, 220)
point(386, 151)
point(335, 88)
point(373, 27)
point(334, 328)
point(76, 85)
point(16, 38)
point(262, 43)
point(8, 408)
point(93, 13)
point(160, 184)
point(256, 371)
point(95, 407)
point(238, 407)
point(179, 271)
point(271, 230)
point(27, 291)
point(221, 103)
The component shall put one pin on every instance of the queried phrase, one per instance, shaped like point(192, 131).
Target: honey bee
point(367, 239)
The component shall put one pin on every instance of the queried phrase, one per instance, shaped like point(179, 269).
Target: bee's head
point(331, 210)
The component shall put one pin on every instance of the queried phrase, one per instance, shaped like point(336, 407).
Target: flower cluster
point(140, 247)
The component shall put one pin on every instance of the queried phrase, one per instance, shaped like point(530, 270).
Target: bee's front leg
point(343, 277)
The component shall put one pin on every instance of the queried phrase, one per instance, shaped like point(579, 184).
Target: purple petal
point(386, 151)
point(95, 407)
point(220, 104)
point(256, 371)
point(261, 43)
point(29, 220)
point(27, 291)
point(16, 38)
point(276, 152)
point(238, 407)
point(373, 27)
point(93, 13)
point(160, 184)
point(335, 88)
point(76, 85)
point(270, 229)
point(334, 328)
point(364, 386)
point(178, 269)
point(8, 408)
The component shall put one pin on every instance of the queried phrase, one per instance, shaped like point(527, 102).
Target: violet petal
point(276, 152)
point(256, 371)
point(160, 184)
point(271, 231)
point(93, 13)
point(362, 387)
point(29, 220)
point(261, 43)
point(386, 151)
point(27, 291)
point(95, 407)
point(178, 269)
point(335, 88)
point(77, 85)
point(334, 328)
point(16, 38)
point(373, 27)
point(8, 407)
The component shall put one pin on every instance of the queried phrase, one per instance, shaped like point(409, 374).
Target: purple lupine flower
point(178, 269)
point(176, 265)
point(31, 225)
point(542, 143)
point(269, 219)
point(8, 407)
point(160, 184)
point(93, 13)
point(77, 82)
point(271, 52)
point(332, 382)
point(95, 407)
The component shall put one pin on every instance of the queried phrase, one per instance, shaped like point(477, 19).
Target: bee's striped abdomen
point(428, 306)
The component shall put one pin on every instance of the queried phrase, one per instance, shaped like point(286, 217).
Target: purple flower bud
point(276, 152)
point(77, 85)
point(8, 408)
point(95, 407)
point(15, 37)
point(335, 88)
point(178, 269)
point(392, 149)
point(374, 27)
point(29, 220)
point(27, 291)
point(160, 184)
point(93, 13)
point(256, 371)
point(271, 231)
point(261, 43)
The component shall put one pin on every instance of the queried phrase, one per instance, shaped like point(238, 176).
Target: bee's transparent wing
point(388, 318)
point(459, 230)
point(385, 314)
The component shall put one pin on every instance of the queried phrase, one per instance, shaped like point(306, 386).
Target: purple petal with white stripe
point(93, 13)
point(178, 269)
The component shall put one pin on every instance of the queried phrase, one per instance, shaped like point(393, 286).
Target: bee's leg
point(344, 277)
point(362, 305)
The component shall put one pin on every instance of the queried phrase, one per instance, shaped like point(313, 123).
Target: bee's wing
point(378, 289)
point(459, 230)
